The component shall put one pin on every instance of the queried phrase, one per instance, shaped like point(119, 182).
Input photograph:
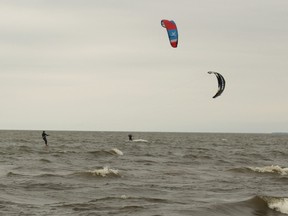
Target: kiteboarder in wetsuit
point(130, 137)
point(44, 135)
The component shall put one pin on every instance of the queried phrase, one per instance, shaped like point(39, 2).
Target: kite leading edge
point(172, 31)
point(221, 83)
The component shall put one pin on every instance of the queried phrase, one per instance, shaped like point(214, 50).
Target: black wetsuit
point(44, 135)
point(130, 137)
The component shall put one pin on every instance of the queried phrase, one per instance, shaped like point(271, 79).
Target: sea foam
point(117, 151)
point(279, 204)
point(270, 169)
point(105, 171)
point(140, 140)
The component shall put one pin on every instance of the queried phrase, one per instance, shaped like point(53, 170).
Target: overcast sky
point(107, 65)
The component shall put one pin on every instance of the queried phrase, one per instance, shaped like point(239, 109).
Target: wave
point(140, 199)
point(102, 172)
point(113, 151)
point(12, 174)
point(56, 153)
point(270, 169)
point(105, 171)
point(279, 204)
point(257, 205)
point(43, 175)
point(266, 169)
point(63, 152)
point(127, 203)
point(45, 186)
point(84, 207)
point(266, 203)
point(45, 160)
point(139, 140)
point(116, 151)
point(51, 175)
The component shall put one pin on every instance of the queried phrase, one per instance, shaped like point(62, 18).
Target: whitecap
point(277, 203)
point(117, 151)
point(105, 171)
point(140, 140)
point(270, 169)
point(124, 197)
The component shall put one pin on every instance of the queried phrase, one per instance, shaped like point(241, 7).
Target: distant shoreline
point(131, 131)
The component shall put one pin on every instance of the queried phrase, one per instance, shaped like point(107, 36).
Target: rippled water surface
point(102, 173)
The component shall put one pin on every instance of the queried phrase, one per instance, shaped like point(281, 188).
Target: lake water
point(102, 173)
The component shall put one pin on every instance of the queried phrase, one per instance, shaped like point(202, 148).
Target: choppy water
point(102, 173)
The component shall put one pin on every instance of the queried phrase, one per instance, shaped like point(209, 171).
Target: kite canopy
point(172, 31)
point(221, 83)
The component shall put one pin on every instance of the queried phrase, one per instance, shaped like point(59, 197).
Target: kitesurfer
point(44, 135)
point(130, 137)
